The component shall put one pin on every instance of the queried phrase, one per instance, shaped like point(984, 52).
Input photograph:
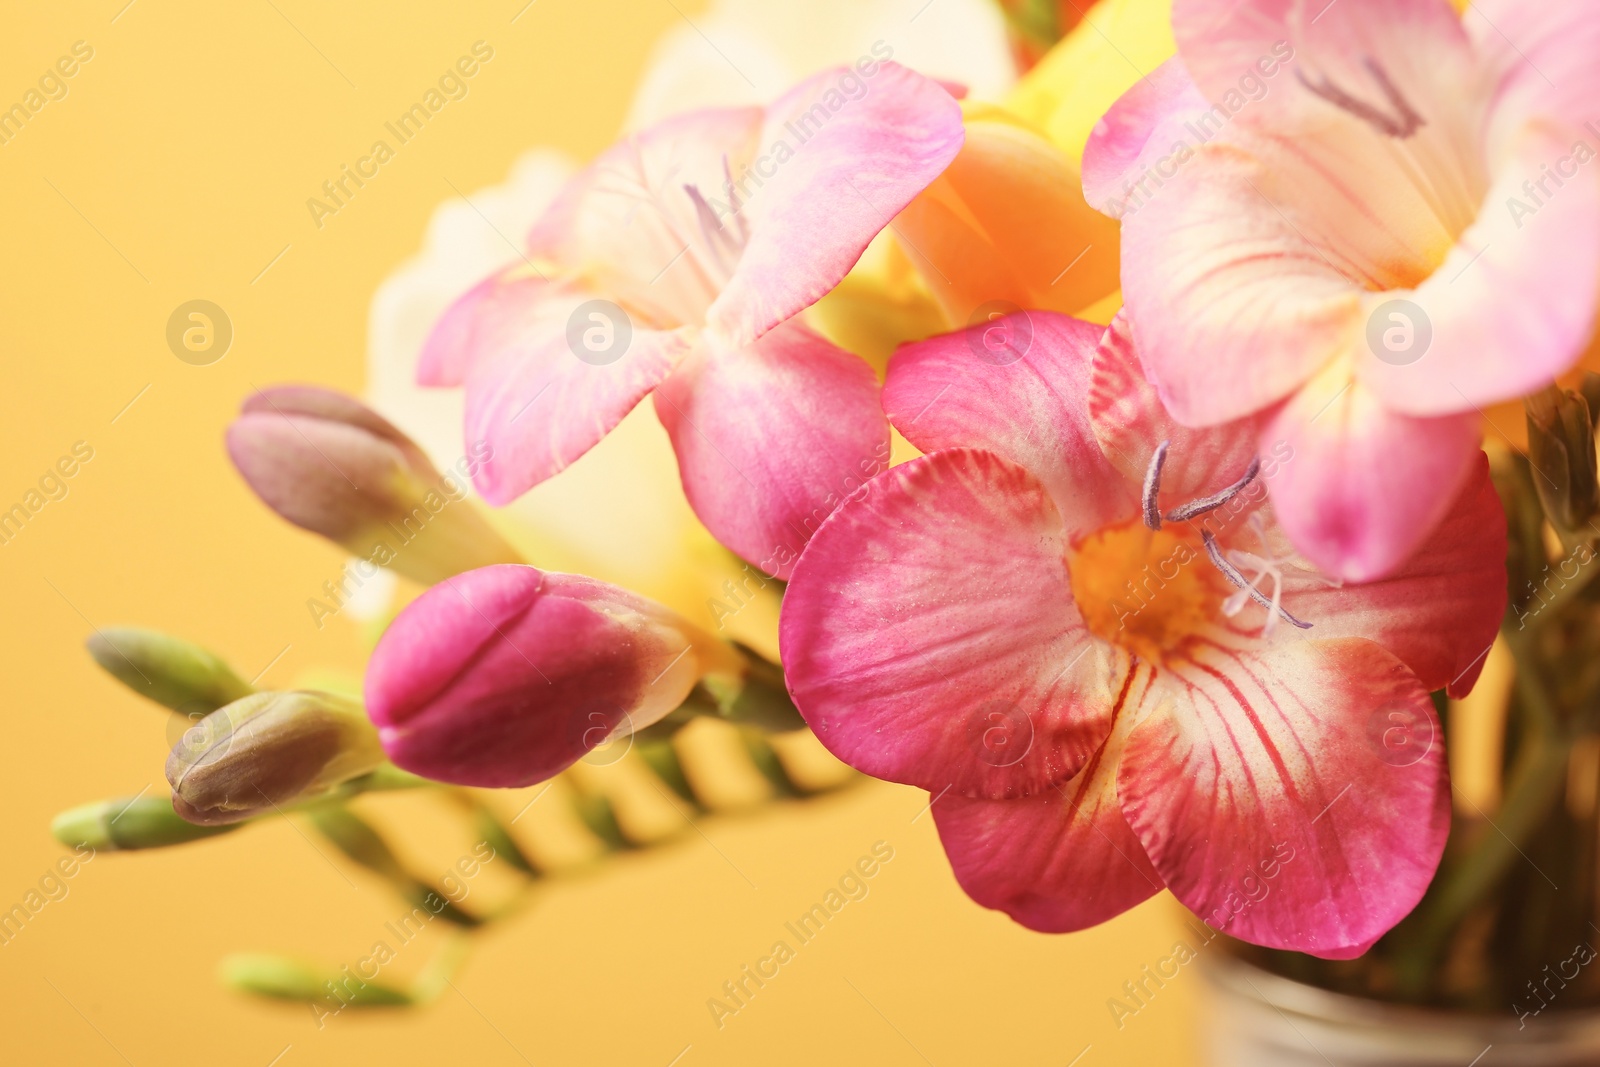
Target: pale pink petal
point(930, 636)
point(1120, 162)
point(506, 675)
point(840, 156)
point(1363, 487)
point(1233, 307)
point(1440, 611)
point(1130, 423)
point(1540, 56)
point(1063, 860)
point(1515, 303)
point(770, 439)
point(1014, 387)
point(508, 308)
point(541, 402)
point(630, 225)
point(1270, 793)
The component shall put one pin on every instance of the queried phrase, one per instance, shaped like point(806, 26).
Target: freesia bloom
point(675, 265)
point(1368, 221)
point(507, 675)
point(1080, 627)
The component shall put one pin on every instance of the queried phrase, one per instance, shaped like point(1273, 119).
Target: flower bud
point(508, 675)
point(330, 465)
point(127, 823)
point(1561, 447)
point(166, 669)
point(285, 978)
point(268, 750)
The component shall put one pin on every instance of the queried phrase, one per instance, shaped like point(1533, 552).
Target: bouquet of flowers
point(1106, 459)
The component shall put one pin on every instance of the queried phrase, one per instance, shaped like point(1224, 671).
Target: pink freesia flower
point(506, 675)
point(676, 264)
point(1080, 627)
point(1367, 220)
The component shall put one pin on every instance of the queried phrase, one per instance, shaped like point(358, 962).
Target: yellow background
point(176, 168)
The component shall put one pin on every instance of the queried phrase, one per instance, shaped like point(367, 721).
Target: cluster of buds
point(499, 675)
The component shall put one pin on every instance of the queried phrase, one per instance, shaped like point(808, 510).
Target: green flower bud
point(283, 978)
point(1561, 446)
point(167, 669)
point(268, 750)
point(128, 823)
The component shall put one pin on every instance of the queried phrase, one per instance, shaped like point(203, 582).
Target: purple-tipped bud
point(329, 464)
point(267, 751)
point(508, 675)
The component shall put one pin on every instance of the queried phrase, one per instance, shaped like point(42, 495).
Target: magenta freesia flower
point(1367, 220)
point(676, 264)
point(507, 675)
point(1079, 625)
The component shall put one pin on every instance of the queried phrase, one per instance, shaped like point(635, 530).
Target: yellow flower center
point(1146, 590)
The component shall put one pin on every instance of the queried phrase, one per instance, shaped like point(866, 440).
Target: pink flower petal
point(542, 402)
point(1364, 487)
point(508, 308)
point(1540, 57)
point(1060, 861)
point(507, 675)
point(1130, 423)
point(1014, 387)
point(1438, 613)
point(930, 636)
point(630, 227)
point(770, 439)
point(1233, 307)
point(1515, 303)
point(1270, 793)
point(1140, 131)
point(841, 155)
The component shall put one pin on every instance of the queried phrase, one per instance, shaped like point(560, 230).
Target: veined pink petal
point(770, 438)
point(1233, 308)
point(542, 402)
point(1363, 487)
point(1515, 303)
point(507, 675)
point(840, 155)
point(629, 225)
point(1014, 387)
point(1059, 861)
point(1440, 611)
point(1130, 423)
point(1269, 792)
point(930, 636)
